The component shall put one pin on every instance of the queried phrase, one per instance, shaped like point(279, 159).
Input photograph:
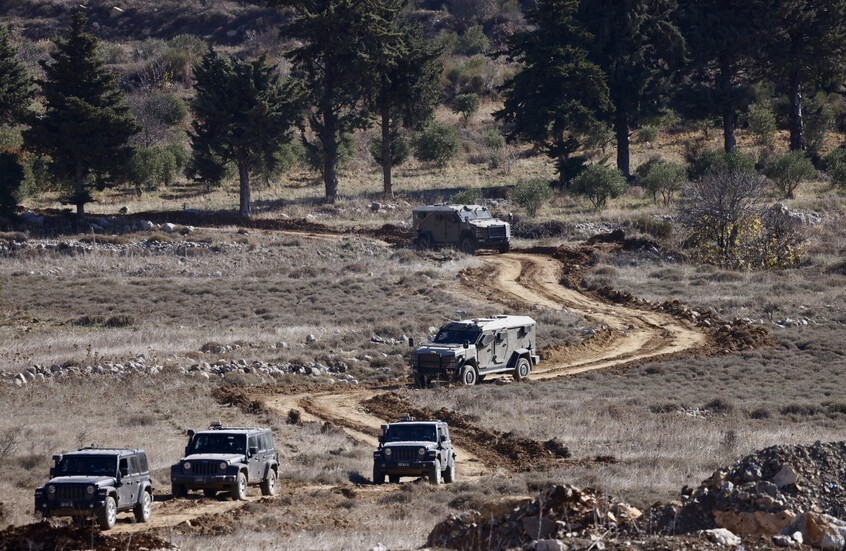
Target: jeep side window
point(123, 466)
point(142, 463)
point(133, 465)
point(254, 442)
point(266, 444)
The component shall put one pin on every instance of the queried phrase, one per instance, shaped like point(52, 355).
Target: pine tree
point(409, 89)
point(241, 116)
point(637, 44)
point(805, 49)
point(334, 65)
point(86, 123)
point(559, 95)
point(16, 89)
point(724, 42)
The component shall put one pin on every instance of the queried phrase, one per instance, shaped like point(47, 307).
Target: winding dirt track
point(531, 280)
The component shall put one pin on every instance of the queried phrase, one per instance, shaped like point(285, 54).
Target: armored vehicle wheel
point(449, 473)
point(435, 475)
point(394, 478)
point(268, 485)
point(378, 476)
point(480, 378)
point(239, 489)
point(144, 508)
point(468, 245)
point(209, 493)
point(522, 370)
point(424, 242)
point(178, 490)
point(505, 248)
point(107, 516)
point(469, 377)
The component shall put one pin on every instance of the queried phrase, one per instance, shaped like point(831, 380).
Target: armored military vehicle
point(414, 448)
point(97, 483)
point(225, 458)
point(468, 350)
point(468, 227)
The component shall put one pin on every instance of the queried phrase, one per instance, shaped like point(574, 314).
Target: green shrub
point(790, 170)
point(493, 139)
point(470, 196)
point(151, 167)
point(819, 118)
point(472, 42)
point(532, 194)
point(466, 105)
point(314, 155)
point(714, 160)
point(445, 42)
point(437, 144)
point(656, 227)
point(647, 134)
point(400, 150)
point(465, 77)
point(658, 176)
point(835, 167)
point(762, 122)
point(599, 183)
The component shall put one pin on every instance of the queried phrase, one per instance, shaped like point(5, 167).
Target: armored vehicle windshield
point(474, 214)
point(451, 334)
point(410, 433)
point(218, 442)
point(96, 465)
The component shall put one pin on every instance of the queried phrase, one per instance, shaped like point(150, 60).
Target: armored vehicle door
point(503, 345)
point(437, 225)
point(254, 460)
point(452, 227)
point(485, 350)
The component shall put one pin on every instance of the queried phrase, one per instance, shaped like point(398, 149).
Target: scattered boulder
point(818, 530)
point(721, 536)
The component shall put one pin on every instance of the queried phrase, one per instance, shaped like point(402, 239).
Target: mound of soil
point(46, 537)
point(762, 492)
point(496, 448)
point(242, 398)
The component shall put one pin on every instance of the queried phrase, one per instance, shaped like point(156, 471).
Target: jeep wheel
point(449, 474)
point(239, 489)
point(107, 516)
point(522, 370)
point(268, 485)
point(209, 493)
point(420, 380)
point(144, 508)
point(468, 245)
point(178, 490)
point(394, 478)
point(469, 377)
point(435, 475)
point(378, 476)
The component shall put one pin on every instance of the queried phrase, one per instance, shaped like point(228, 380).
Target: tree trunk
point(724, 89)
point(387, 158)
point(796, 118)
point(79, 189)
point(329, 139)
point(244, 175)
point(621, 129)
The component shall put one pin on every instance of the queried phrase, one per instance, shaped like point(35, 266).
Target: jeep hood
point(100, 481)
point(444, 349)
point(488, 223)
point(427, 445)
point(228, 457)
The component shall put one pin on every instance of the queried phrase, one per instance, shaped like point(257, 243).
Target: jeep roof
point(493, 323)
point(104, 451)
point(217, 427)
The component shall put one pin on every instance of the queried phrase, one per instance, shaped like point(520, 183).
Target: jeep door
point(255, 463)
point(126, 489)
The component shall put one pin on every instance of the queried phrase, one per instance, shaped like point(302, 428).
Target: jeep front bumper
point(204, 482)
point(66, 507)
point(404, 468)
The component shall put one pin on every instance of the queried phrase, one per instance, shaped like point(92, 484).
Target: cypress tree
point(86, 123)
point(16, 89)
point(241, 116)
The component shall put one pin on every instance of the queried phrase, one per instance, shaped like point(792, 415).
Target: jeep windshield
point(89, 465)
point(410, 433)
point(475, 214)
point(218, 443)
point(456, 335)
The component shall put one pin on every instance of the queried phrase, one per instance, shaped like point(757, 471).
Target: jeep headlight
point(421, 451)
point(51, 490)
point(387, 451)
point(187, 465)
point(223, 465)
point(90, 489)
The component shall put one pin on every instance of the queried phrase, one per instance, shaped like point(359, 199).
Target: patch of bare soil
point(242, 398)
point(44, 536)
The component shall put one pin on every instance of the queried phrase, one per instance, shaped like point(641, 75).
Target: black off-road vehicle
point(97, 483)
point(225, 458)
point(414, 448)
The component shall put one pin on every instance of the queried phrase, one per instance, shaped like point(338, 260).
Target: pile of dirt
point(46, 537)
point(578, 517)
point(244, 398)
point(763, 492)
point(494, 447)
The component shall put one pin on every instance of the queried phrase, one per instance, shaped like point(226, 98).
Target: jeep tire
point(522, 369)
point(420, 380)
point(394, 478)
point(144, 508)
point(178, 490)
point(209, 492)
point(238, 491)
point(435, 475)
point(378, 476)
point(268, 485)
point(468, 245)
point(449, 473)
point(469, 377)
point(107, 515)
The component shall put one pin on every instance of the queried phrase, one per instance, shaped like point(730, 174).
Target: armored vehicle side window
point(218, 443)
